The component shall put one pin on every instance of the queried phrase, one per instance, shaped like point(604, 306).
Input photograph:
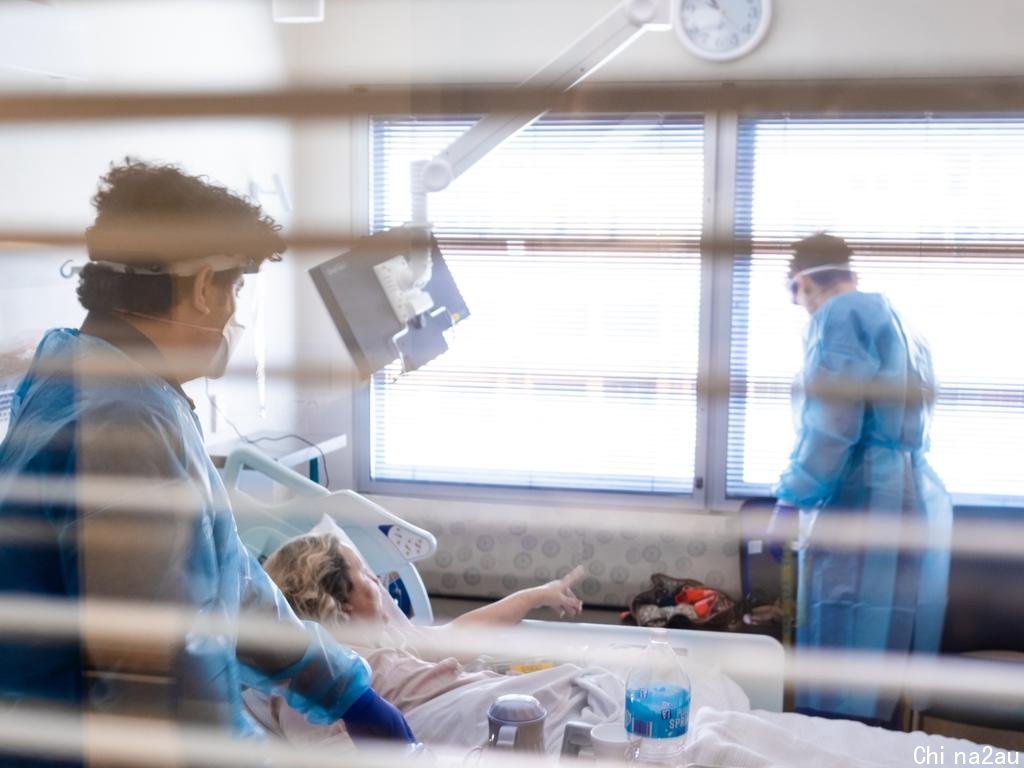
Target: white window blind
point(576, 246)
point(931, 206)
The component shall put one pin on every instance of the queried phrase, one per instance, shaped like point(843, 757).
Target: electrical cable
point(268, 439)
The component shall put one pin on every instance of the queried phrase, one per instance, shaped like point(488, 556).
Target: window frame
point(361, 403)
point(710, 495)
point(959, 500)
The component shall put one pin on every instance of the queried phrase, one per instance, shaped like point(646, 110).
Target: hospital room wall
point(325, 168)
point(50, 171)
point(504, 41)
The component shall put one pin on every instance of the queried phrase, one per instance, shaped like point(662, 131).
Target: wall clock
point(721, 30)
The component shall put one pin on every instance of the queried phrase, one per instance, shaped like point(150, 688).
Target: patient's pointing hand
point(558, 594)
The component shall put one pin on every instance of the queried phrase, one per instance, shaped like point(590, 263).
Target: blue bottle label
point(658, 712)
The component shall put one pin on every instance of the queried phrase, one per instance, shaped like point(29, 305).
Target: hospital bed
point(392, 546)
point(756, 663)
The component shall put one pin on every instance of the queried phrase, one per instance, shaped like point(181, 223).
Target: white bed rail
point(387, 542)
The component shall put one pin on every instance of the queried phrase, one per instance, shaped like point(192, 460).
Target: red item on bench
point(693, 595)
point(703, 607)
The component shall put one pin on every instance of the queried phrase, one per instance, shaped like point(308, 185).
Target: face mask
point(230, 336)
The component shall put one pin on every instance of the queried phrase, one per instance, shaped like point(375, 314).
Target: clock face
point(721, 29)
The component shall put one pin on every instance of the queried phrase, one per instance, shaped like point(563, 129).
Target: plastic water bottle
point(657, 704)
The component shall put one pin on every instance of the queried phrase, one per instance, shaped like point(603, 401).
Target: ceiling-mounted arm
point(602, 42)
point(405, 278)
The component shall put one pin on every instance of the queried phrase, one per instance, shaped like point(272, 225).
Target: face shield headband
point(791, 282)
point(218, 262)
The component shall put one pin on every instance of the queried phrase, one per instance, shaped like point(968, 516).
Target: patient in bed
point(327, 581)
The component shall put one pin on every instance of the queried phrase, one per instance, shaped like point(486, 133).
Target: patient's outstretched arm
point(557, 595)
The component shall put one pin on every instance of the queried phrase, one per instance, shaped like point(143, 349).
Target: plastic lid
point(516, 708)
point(659, 635)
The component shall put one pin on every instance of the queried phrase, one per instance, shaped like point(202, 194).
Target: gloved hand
point(782, 529)
point(371, 717)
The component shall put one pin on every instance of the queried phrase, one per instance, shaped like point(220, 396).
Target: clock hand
point(721, 10)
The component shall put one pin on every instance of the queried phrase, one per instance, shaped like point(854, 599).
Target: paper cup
point(609, 741)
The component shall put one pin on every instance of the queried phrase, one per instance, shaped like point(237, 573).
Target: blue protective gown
point(68, 426)
point(864, 454)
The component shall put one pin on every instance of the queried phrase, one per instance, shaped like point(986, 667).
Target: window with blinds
point(577, 247)
point(931, 206)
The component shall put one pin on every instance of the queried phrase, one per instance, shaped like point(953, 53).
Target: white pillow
point(327, 525)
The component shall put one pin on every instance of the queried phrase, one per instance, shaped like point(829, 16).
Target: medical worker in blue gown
point(864, 402)
point(107, 493)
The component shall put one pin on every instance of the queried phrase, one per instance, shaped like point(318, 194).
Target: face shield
point(793, 286)
point(218, 262)
point(246, 301)
point(249, 354)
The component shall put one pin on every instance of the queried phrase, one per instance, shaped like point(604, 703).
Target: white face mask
point(230, 336)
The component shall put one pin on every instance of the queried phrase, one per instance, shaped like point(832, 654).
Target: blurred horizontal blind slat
point(577, 246)
point(931, 206)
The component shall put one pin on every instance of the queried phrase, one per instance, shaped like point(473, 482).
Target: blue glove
point(371, 717)
point(782, 529)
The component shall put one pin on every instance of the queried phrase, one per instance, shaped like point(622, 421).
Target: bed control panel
point(410, 545)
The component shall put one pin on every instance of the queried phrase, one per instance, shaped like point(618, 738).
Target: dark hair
point(151, 215)
point(820, 250)
point(103, 290)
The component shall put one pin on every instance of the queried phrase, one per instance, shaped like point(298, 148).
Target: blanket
point(767, 739)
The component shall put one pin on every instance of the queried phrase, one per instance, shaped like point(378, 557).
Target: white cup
point(609, 741)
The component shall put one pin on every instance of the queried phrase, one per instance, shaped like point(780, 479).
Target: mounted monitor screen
point(390, 301)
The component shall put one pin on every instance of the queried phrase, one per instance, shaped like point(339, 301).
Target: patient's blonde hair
point(314, 577)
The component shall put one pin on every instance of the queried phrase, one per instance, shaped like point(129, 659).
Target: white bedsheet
point(766, 739)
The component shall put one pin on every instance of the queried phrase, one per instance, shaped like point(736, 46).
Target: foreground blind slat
point(931, 206)
point(576, 245)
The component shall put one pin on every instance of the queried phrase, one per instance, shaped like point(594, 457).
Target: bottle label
point(658, 711)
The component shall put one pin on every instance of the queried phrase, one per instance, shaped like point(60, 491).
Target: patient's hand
point(558, 594)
